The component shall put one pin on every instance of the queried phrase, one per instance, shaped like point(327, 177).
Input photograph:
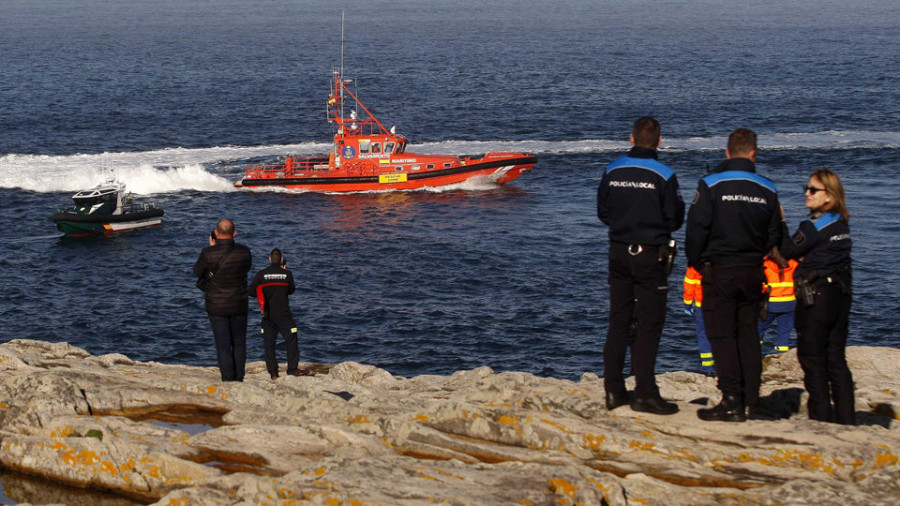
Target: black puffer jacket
point(227, 292)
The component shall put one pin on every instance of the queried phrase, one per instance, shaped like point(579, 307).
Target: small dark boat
point(106, 209)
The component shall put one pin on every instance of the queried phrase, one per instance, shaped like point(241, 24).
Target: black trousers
point(821, 341)
point(271, 327)
point(230, 333)
point(731, 298)
point(638, 286)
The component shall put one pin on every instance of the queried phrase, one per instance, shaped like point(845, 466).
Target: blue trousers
point(782, 314)
point(707, 364)
point(230, 333)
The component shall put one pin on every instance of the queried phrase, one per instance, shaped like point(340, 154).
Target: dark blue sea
point(179, 96)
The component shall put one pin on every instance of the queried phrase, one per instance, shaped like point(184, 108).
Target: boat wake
point(215, 169)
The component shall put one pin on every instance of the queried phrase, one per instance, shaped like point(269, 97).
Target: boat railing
point(289, 168)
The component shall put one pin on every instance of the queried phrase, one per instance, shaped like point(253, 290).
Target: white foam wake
point(176, 169)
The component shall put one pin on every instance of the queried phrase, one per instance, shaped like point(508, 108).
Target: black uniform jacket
point(271, 287)
point(638, 198)
point(227, 292)
point(823, 241)
point(735, 217)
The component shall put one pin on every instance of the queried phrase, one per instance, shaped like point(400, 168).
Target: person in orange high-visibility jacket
point(693, 301)
point(782, 302)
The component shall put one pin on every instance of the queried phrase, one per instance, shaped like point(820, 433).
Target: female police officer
point(822, 281)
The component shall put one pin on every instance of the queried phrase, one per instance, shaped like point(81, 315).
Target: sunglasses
point(812, 189)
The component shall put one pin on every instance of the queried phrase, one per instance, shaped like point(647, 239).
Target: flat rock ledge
point(355, 434)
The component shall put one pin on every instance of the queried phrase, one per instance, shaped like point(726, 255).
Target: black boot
point(616, 399)
point(731, 409)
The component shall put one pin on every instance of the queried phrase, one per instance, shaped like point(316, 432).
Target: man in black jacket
point(225, 264)
point(271, 287)
point(638, 198)
point(734, 220)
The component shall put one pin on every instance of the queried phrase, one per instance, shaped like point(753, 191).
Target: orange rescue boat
point(366, 156)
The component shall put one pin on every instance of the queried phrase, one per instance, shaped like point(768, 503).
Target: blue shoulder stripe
point(739, 175)
point(825, 220)
point(642, 163)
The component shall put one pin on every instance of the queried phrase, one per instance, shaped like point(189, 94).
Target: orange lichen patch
point(885, 459)
point(555, 424)
point(320, 471)
point(179, 502)
point(63, 431)
point(211, 389)
point(359, 419)
point(421, 418)
point(3, 405)
point(593, 442)
point(108, 467)
point(427, 477)
point(648, 434)
point(508, 420)
point(578, 392)
point(684, 455)
point(127, 467)
point(788, 458)
point(561, 486)
point(857, 464)
point(640, 445)
point(386, 442)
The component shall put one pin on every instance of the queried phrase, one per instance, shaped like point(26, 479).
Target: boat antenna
point(342, 68)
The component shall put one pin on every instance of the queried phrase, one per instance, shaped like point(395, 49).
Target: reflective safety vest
point(693, 292)
point(780, 281)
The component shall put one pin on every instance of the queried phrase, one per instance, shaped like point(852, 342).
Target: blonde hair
point(834, 189)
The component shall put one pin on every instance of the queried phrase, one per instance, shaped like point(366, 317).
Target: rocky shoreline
point(355, 434)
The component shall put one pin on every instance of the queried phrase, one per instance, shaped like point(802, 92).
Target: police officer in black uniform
point(734, 220)
point(271, 287)
point(638, 198)
point(823, 287)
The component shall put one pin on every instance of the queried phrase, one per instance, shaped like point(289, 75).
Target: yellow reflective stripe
point(787, 298)
point(692, 281)
point(687, 302)
point(781, 285)
point(262, 331)
point(698, 304)
point(294, 330)
point(707, 363)
point(706, 355)
point(782, 348)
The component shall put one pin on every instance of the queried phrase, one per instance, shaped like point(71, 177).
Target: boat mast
point(342, 71)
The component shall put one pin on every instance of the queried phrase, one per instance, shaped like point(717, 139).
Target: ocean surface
point(180, 96)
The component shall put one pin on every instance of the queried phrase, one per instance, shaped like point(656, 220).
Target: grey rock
point(176, 434)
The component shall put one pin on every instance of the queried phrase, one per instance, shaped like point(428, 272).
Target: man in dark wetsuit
point(225, 264)
point(734, 220)
point(271, 287)
point(638, 198)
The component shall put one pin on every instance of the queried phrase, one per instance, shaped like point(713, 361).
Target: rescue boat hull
point(500, 171)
